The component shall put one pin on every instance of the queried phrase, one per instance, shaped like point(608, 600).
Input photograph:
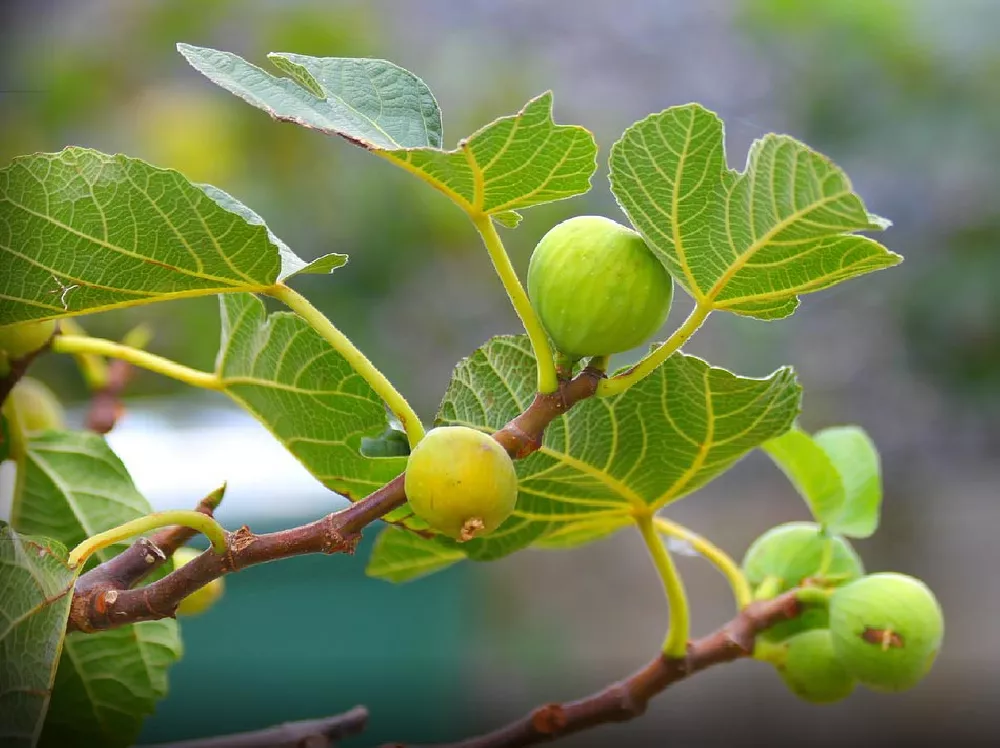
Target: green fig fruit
point(597, 287)
point(811, 669)
point(786, 555)
point(461, 482)
point(17, 341)
point(887, 629)
point(36, 406)
point(205, 597)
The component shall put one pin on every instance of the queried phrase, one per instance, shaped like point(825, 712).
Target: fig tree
point(887, 629)
point(811, 669)
point(461, 482)
point(202, 599)
point(17, 341)
point(597, 287)
point(36, 406)
point(786, 555)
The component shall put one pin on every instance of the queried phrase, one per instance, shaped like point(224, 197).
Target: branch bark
point(313, 733)
point(627, 699)
point(106, 601)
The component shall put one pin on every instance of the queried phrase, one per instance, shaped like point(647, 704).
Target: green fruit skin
point(36, 407)
point(17, 341)
point(457, 476)
point(202, 599)
point(791, 553)
point(887, 602)
point(597, 287)
point(811, 669)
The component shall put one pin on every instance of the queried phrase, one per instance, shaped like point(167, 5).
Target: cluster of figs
point(882, 631)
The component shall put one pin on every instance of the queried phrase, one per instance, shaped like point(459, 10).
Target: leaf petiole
point(621, 382)
point(358, 361)
point(675, 643)
point(548, 381)
point(82, 344)
point(715, 555)
point(184, 517)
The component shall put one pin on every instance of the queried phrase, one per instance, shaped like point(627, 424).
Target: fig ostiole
point(887, 629)
point(35, 406)
point(597, 287)
point(811, 669)
point(203, 598)
point(461, 482)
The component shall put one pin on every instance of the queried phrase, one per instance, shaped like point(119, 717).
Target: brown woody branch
point(313, 733)
point(627, 699)
point(19, 367)
point(106, 602)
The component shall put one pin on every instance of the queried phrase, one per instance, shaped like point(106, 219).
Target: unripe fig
point(17, 341)
point(811, 669)
point(597, 287)
point(461, 482)
point(790, 553)
point(35, 406)
point(202, 599)
point(887, 630)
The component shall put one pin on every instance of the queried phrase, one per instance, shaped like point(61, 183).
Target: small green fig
point(36, 406)
point(786, 555)
point(597, 287)
point(202, 599)
point(887, 629)
point(17, 341)
point(811, 669)
point(461, 482)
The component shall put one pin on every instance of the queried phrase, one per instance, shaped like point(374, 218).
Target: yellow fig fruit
point(202, 599)
point(461, 482)
point(36, 406)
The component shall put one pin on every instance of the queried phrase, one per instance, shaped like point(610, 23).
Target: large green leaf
point(747, 242)
point(74, 486)
point(107, 683)
point(647, 447)
point(82, 231)
point(838, 474)
point(515, 162)
point(400, 555)
point(284, 373)
point(35, 587)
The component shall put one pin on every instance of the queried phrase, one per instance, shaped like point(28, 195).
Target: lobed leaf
point(837, 473)
point(307, 395)
point(515, 162)
point(82, 231)
point(399, 555)
point(747, 242)
point(653, 444)
point(36, 588)
point(73, 487)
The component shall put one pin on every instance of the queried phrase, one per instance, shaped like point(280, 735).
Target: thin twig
point(313, 733)
point(627, 699)
point(97, 608)
point(19, 367)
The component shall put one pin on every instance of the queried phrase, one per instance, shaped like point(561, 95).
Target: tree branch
point(19, 367)
point(313, 733)
point(101, 603)
point(627, 699)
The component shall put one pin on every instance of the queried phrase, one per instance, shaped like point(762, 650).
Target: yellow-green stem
point(675, 643)
point(618, 384)
point(185, 517)
point(77, 345)
point(715, 555)
point(548, 382)
point(93, 368)
point(355, 358)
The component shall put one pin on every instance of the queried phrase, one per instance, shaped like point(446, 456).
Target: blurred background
point(904, 94)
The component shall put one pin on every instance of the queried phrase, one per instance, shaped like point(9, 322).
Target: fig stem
point(184, 517)
point(356, 359)
point(715, 555)
point(93, 368)
point(675, 643)
point(548, 382)
point(84, 344)
point(647, 365)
